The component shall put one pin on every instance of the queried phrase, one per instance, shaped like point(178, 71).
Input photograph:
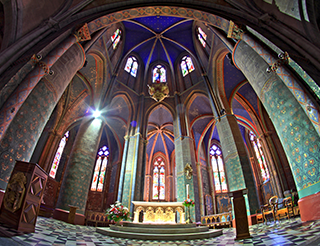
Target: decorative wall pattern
point(299, 93)
point(289, 120)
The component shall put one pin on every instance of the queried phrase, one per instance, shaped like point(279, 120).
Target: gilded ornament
point(188, 171)
point(15, 192)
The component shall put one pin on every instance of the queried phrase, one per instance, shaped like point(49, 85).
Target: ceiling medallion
point(158, 91)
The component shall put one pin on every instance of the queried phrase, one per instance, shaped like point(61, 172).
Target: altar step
point(160, 232)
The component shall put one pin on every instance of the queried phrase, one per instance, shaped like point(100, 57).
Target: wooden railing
point(97, 219)
point(217, 220)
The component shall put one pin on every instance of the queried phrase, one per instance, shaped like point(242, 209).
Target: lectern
point(21, 202)
point(240, 214)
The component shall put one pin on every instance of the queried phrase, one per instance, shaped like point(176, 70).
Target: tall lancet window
point(100, 169)
point(219, 175)
point(202, 36)
point(260, 156)
point(132, 66)
point(158, 188)
point(159, 74)
point(186, 65)
point(115, 38)
point(57, 157)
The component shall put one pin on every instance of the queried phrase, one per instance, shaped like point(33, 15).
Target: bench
point(217, 220)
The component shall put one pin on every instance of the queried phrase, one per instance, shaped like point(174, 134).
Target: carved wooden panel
point(23, 196)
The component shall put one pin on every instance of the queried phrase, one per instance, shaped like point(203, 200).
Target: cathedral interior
point(160, 101)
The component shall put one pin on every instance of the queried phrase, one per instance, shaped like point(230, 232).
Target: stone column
point(77, 179)
point(201, 197)
point(185, 154)
point(131, 180)
point(22, 134)
point(297, 133)
point(213, 194)
point(237, 163)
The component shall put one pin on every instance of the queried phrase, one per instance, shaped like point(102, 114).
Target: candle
point(187, 191)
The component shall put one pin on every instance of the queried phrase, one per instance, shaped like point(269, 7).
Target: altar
point(158, 212)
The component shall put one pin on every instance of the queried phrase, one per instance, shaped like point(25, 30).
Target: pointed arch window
point(260, 157)
point(158, 187)
point(100, 169)
point(159, 74)
point(219, 175)
point(132, 66)
point(186, 65)
point(115, 38)
point(57, 157)
point(202, 36)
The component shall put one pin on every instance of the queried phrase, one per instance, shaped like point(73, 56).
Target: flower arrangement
point(188, 203)
point(117, 212)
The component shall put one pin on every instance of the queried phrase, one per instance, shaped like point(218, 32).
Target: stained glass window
point(57, 157)
point(260, 157)
point(100, 169)
point(159, 74)
point(202, 37)
point(159, 179)
point(132, 66)
point(186, 65)
point(219, 175)
point(115, 38)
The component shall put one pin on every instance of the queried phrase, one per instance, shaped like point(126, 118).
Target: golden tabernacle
point(158, 212)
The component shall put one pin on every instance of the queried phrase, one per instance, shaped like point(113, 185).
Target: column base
point(310, 207)
point(63, 215)
point(252, 220)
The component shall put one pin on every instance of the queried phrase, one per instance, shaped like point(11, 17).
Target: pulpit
point(158, 212)
point(240, 214)
point(21, 202)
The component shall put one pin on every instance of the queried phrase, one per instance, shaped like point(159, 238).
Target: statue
point(188, 171)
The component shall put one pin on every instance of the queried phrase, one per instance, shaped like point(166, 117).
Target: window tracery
point(219, 175)
point(131, 66)
point(100, 169)
point(159, 74)
point(260, 157)
point(57, 157)
point(158, 187)
point(202, 36)
point(115, 38)
point(186, 65)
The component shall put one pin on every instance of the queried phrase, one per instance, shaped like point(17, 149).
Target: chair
point(270, 209)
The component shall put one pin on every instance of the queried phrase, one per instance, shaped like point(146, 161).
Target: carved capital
point(234, 31)
point(83, 34)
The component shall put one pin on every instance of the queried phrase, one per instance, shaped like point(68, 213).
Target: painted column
point(77, 179)
point(201, 197)
point(185, 154)
point(237, 163)
point(213, 194)
point(297, 133)
point(131, 179)
point(22, 134)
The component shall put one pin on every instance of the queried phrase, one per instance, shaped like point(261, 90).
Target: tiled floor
point(54, 232)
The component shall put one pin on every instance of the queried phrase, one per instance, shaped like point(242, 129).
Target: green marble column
point(237, 162)
point(77, 179)
point(297, 133)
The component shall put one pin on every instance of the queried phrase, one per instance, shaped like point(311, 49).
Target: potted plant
point(117, 212)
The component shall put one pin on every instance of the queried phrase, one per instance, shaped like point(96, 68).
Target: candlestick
point(187, 191)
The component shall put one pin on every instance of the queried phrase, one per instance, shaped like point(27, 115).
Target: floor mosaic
point(53, 232)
